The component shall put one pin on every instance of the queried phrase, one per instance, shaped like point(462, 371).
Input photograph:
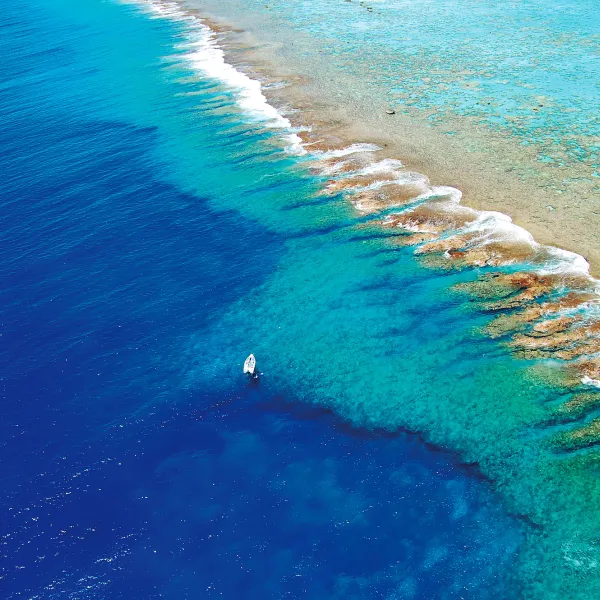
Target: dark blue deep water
point(118, 238)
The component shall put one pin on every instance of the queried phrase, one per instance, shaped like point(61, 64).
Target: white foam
point(441, 192)
point(489, 226)
point(203, 54)
point(381, 166)
point(418, 228)
point(407, 178)
point(586, 380)
point(341, 152)
point(387, 165)
point(563, 261)
point(492, 227)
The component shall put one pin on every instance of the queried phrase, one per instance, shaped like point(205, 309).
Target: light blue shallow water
point(528, 69)
point(153, 234)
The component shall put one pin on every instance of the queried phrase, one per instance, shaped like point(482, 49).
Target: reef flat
point(500, 104)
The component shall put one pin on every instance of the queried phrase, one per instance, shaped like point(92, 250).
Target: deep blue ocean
point(132, 219)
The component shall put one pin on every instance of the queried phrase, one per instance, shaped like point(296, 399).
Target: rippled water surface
point(154, 231)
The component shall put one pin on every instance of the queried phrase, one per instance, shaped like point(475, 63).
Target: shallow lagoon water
point(527, 68)
point(155, 232)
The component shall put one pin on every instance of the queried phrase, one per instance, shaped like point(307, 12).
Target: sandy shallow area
point(560, 206)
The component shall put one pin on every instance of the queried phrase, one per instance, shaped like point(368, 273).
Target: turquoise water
point(156, 231)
